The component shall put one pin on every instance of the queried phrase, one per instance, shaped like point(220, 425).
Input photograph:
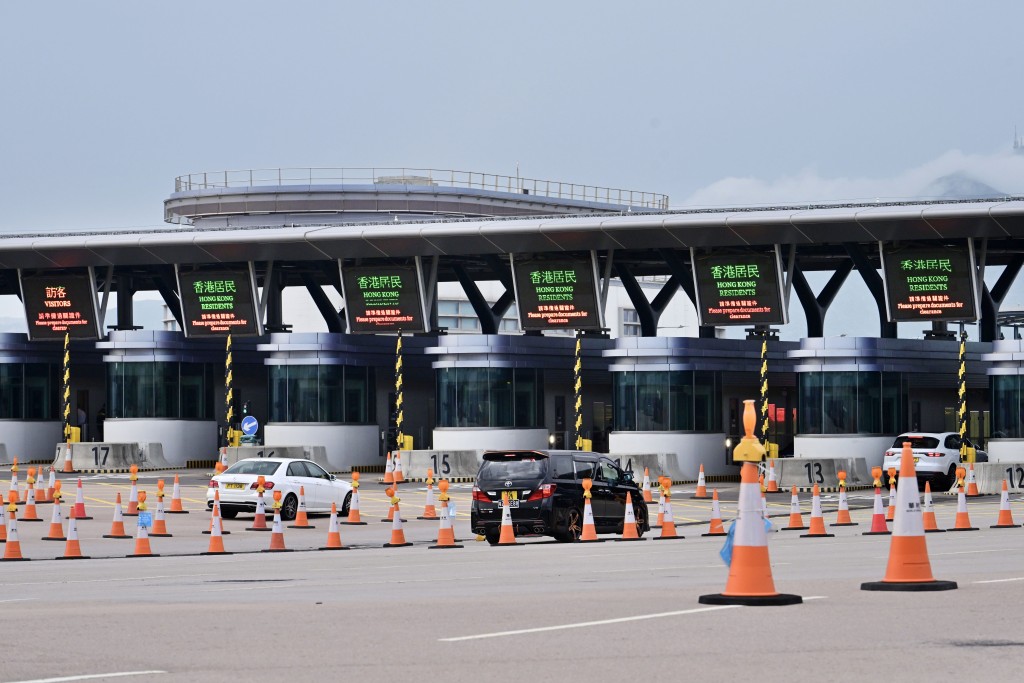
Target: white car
point(936, 456)
point(237, 487)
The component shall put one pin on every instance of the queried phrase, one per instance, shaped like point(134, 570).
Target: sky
point(712, 103)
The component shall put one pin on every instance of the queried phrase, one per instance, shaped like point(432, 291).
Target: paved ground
point(537, 612)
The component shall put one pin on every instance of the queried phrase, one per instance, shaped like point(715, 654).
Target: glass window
point(489, 397)
point(265, 468)
point(1007, 416)
point(667, 401)
point(631, 323)
point(584, 469)
point(563, 468)
point(851, 403)
point(606, 471)
point(624, 396)
point(324, 393)
point(297, 469)
point(332, 400)
point(169, 389)
point(316, 471)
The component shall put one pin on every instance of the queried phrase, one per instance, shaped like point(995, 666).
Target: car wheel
point(493, 534)
point(228, 513)
point(290, 507)
point(347, 505)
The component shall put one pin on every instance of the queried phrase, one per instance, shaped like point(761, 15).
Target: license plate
point(513, 503)
point(234, 486)
point(513, 499)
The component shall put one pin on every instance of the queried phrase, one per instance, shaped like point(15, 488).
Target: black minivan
point(545, 492)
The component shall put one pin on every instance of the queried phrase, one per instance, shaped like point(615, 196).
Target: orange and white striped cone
point(397, 534)
point(508, 532)
point(963, 519)
point(972, 483)
point(445, 531)
point(702, 489)
point(277, 532)
point(14, 492)
point(117, 526)
point(389, 471)
point(668, 525)
point(176, 507)
point(909, 568)
point(429, 509)
point(142, 546)
point(56, 532)
point(750, 579)
point(661, 509)
point(29, 513)
point(133, 501)
point(333, 531)
point(68, 468)
point(3, 523)
point(843, 513)
point(399, 471)
point(928, 512)
point(629, 527)
point(773, 482)
point(890, 512)
point(716, 528)
point(159, 520)
point(52, 485)
point(40, 488)
point(391, 492)
point(301, 519)
point(216, 546)
point(72, 549)
point(878, 525)
point(647, 485)
point(354, 519)
point(1005, 520)
point(259, 521)
point(796, 518)
point(817, 519)
point(12, 549)
point(589, 532)
point(215, 518)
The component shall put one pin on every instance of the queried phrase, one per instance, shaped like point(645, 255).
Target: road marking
point(132, 578)
point(19, 599)
point(584, 624)
point(118, 674)
point(1019, 578)
point(971, 552)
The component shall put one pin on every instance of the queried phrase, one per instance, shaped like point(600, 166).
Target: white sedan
point(237, 487)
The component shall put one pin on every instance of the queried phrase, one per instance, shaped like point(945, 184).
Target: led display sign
point(930, 283)
point(738, 288)
point(216, 303)
point(554, 295)
point(60, 303)
point(382, 299)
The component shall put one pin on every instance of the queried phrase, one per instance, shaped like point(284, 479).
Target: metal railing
point(420, 177)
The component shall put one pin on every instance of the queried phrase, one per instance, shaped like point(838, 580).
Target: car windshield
point(255, 467)
point(529, 467)
point(916, 441)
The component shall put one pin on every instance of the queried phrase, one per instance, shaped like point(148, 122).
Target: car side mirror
point(332, 477)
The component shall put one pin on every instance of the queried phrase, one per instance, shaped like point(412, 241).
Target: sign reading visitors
point(60, 303)
point(930, 283)
point(218, 303)
point(554, 295)
point(738, 288)
point(382, 299)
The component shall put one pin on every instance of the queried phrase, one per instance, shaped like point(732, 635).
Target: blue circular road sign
point(249, 425)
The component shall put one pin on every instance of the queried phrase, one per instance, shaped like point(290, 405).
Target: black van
point(545, 491)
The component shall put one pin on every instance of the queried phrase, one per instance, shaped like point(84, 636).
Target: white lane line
point(118, 674)
point(650, 569)
point(1019, 578)
point(129, 578)
point(18, 599)
point(971, 552)
point(584, 624)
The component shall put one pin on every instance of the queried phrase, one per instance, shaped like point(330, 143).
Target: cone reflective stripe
point(909, 567)
point(117, 526)
point(12, 549)
point(647, 485)
point(399, 472)
point(29, 514)
point(817, 519)
point(133, 501)
point(389, 471)
point(56, 532)
point(429, 509)
point(843, 513)
point(508, 535)
point(750, 579)
point(80, 503)
point(878, 525)
point(259, 522)
point(928, 513)
point(773, 483)
point(796, 518)
point(216, 546)
point(589, 532)
point(301, 519)
point(702, 491)
point(72, 549)
point(1005, 520)
point(176, 508)
point(715, 528)
point(333, 531)
point(972, 483)
point(963, 519)
point(629, 528)
point(52, 485)
point(397, 534)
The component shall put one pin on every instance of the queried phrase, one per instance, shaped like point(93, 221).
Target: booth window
point(160, 390)
point(322, 393)
point(662, 401)
point(1007, 409)
point(852, 403)
point(29, 391)
point(490, 397)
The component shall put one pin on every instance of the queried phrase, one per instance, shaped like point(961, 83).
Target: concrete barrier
point(4, 458)
point(990, 475)
point(110, 457)
point(668, 465)
point(447, 464)
point(232, 454)
point(804, 473)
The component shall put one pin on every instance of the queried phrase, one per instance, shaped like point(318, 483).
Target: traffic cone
point(716, 528)
point(668, 524)
point(429, 510)
point(142, 547)
point(3, 523)
point(399, 472)
point(159, 521)
point(68, 469)
point(40, 488)
point(391, 492)
point(508, 534)
point(72, 549)
point(647, 485)
point(702, 491)
point(963, 520)
point(843, 513)
point(117, 526)
point(878, 525)
point(176, 507)
point(972, 483)
point(301, 520)
point(796, 518)
point(12, 549)
point(750, 579)
point(397, 535)
point(51, 486)
point(890, 512)
point(354, 518)
point(133, 501)
point(589, 533)
point(56, 532)
point(1005, 520)
point(277, 532)
point(14, 492)
point(389, 471)
point(817, 519)
point(773, 483)
point(259, 521)
point(661, 507)
point(29, 514)
point(215, 516)
point(30, 479)
point(216, 546)
point(629, 529)
point(928, 513)
point(909, 568)
point(333, 531)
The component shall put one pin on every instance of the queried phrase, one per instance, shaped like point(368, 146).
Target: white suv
point(936, 456)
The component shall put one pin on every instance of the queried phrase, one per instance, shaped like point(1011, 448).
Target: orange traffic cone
point(117, 526)
point(1005, 520)
point(702, 491)
point(399, 472)
point(928, 513)
point(215, 518)
point(133, 494)
point(301, 520)
point(277, 533)
point(668, 524)
point(445, 532)
point(51, 486)
point(389, 471)
point(29, 514)
point(878, 525)
point(661, 506)
point(216, 546)
point(12, 549)
point(40, 488)
point(397, 535)
point(647, 485)
point(508, 535)
point(796, 518)
point(159, 521)
point(333, 531)
point(142, 547)
point(176, 508)
point(909, 568)
point(817, 519)
point(72, 549)
point(629, 527)
point(773, 483)
point(14, 492)
point(3, 523)
point(890, 512)
point(68, 469)
point(750, 579)
point(429, 510)
point(353, 508)
point(963, 520)
point(56, 532)
point(972, 483)
point(716, 528)
point(80, 503)
point(391, 492)
point(259, 522)
point(589, 533)
point(843, 513)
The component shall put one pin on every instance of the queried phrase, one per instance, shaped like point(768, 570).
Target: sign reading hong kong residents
point(218, 303)
point(382, 299)
point(555, 295)
point(930, 283)
point(738, 288)
point(60, 303)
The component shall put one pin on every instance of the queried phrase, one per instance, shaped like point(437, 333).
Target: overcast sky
point(722, 103)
